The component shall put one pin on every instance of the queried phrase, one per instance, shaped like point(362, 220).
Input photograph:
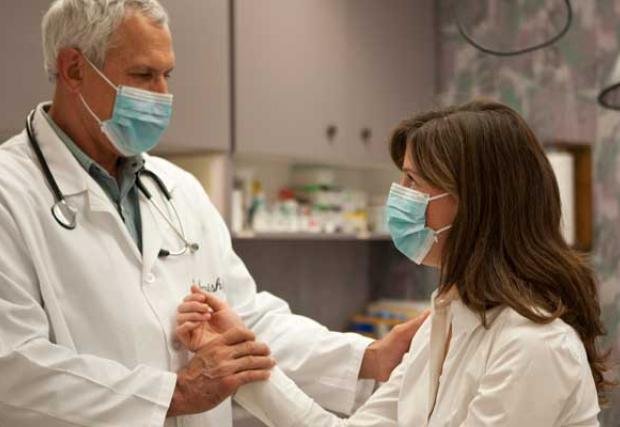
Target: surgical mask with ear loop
point(406, 221)
point(138, 120)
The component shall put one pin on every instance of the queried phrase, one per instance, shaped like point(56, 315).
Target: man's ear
point(70, 65)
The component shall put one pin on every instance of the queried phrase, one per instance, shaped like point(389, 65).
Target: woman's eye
point(407, 181)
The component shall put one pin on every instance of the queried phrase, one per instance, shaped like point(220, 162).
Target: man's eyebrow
point(149, 69)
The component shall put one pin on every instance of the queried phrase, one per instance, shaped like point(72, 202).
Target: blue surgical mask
point(406, 221)
point(138, 120)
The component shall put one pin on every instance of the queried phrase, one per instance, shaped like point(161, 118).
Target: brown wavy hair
point(505, 246)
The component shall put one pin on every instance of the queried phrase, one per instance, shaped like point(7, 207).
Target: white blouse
point(515, 373)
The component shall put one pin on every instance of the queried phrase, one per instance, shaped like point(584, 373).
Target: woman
point(511, 340)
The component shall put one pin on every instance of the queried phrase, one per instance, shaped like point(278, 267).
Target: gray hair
point(88, 25)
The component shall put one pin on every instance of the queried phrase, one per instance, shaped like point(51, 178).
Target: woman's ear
point(70, 65)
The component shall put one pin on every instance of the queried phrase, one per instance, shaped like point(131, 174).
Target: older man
point(89, 288)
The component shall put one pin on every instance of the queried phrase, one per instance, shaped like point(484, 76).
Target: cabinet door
point(23, 82)
point(358, 65)
point(391, 55)
point(290, 76)
point(201, 79)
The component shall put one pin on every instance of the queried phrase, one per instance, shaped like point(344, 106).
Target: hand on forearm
point(218, 369)
point(227, 354)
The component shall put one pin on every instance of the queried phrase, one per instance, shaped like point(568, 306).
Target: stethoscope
point(66, 215)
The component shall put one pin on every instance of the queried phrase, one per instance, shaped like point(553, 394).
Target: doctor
point(100, 242)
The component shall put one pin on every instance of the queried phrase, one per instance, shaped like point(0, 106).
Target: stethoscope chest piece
point(65, 214)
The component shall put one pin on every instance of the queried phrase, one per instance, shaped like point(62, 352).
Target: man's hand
point(225, 363)
point(227, 354)
point(382, 356)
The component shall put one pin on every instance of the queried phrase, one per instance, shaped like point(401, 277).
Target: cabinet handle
point(366, 134)
point(331, 132)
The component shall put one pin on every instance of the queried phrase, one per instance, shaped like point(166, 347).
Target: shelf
point(250, 235)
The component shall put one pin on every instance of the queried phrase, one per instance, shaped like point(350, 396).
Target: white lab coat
point(514, 374)
point(87, 322)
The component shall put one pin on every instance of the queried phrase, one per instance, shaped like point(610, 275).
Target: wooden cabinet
point(201, 79)
point(324, 80)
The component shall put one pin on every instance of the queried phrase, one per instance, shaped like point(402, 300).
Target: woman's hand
point(202, 317)
point(382, 356)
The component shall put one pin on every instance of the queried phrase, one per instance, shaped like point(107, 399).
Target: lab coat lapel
point(440, 328)
point(100, 204)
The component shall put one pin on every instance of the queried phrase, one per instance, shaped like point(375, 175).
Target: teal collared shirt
point(124, 193)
